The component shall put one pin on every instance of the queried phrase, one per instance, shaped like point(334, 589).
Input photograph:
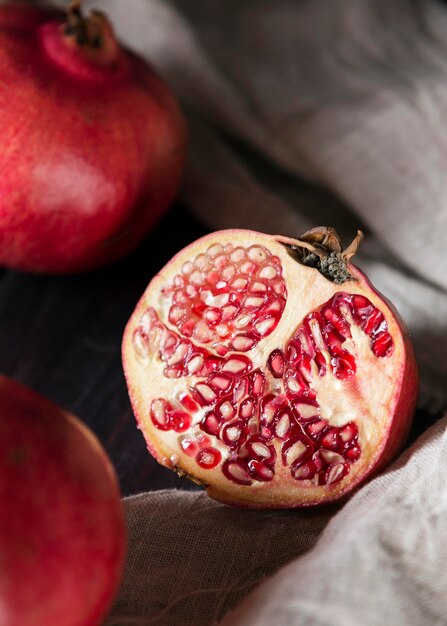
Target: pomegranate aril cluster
point(228, 298)
point(237, 417)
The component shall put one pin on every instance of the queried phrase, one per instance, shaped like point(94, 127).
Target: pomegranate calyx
point(92, 33)
point(321, 248)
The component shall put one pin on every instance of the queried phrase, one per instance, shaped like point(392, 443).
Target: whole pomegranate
point(269, 370)
point(62, 534)
point(91, 142)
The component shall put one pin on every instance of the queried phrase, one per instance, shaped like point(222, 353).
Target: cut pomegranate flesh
point(301, 387)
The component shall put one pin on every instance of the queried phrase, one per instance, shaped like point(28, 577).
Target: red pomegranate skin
point(91, 150)
point(62, 536)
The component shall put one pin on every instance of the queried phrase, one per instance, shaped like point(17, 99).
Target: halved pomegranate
point(269, 370)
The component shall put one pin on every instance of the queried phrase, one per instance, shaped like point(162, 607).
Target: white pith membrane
point(259, 377)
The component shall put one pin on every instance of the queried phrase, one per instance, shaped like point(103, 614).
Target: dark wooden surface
point(61, 336)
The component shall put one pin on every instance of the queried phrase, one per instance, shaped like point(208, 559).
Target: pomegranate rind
point(90, 158)
point(63, 540)
point(390, 385)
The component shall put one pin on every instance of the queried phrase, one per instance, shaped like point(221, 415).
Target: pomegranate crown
point(321, 247)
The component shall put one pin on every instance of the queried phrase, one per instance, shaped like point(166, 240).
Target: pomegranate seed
point(268, 409)
point(219, 382)
point(268, 272)
point(306, 411)
point(187, 268)
point(159, 414)
point(247, 408)
point(348, 432)
point(212, 277)
point(202, 333)
point(321, 363)
point(180, 421)
point(228, 312)
point(336, 473)
point(177, 314)
point(189, 446)
point(202, 262)
point(195, 363)
point(203, 441)
point(228, 272)
point(264, 326)
point(206, 394)
point(314, 429)
point(238, 255)
point(383, 345)
point(231, 433)
point(344, 366)
point(283, 423)
point(360, 302)
point(197, 278)
point(258, 286)
point(331, 457)
point(213, 316)
point(215, 250)
point(294, 382)
point(261, 471)
point(304, 471)
point(248, 268)
point(373, 321)
point(257, 383)
point(212, 364)
point(273, 307)
point(236, 365)
point(253, 302)
point(258, 254)
point(208, 458)
point(276, 363)
point(352, 454)
point(140, 343)
point(337, 322)
point(226, 410)
point(241, 389)
point(187, 328)
point(278, 287)
point(237, 471)
point(296, 450)
point(258, 449)
point(331, 440)
point(210, 424)
point(180, 353)
point(239, 283)
point(242, 343)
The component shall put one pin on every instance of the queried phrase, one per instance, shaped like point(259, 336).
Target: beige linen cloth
point(301, 113)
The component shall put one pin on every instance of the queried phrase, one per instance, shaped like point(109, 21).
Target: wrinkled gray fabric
point(381, 560)
point(191, 559)
point(305, 113)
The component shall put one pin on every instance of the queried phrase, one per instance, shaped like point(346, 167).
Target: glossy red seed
point(353, 454)
point(208, 458)
point(237, 472)
point(180, 421)
point(331, 440)
point(189, 404)
point(160, 414)
point(189, 447)
point(383, 345)
point(210, 424)
point(232, 433)
point(276, 363)
point(261, 471)
point(304, 471)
